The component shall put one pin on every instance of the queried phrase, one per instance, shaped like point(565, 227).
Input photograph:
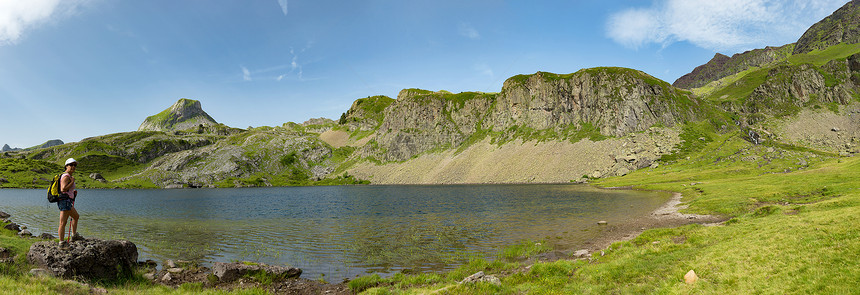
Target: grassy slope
point(793, 226)
point(790, 232)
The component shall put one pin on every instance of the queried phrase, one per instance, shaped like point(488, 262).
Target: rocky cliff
point(613, 101)
point(789, 88)
point(843, 26)
point(721, 65)
point(182, 115)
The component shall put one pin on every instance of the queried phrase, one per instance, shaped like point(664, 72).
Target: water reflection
point(339, 231)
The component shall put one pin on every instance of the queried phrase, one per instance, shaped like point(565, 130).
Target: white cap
point(70, 160)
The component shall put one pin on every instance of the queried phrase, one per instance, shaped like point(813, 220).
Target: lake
point(340, 231)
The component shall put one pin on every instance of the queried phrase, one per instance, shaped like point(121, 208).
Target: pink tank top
point(72, 188)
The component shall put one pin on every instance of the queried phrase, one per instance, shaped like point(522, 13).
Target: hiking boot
point(64, 245)
point(77, 237)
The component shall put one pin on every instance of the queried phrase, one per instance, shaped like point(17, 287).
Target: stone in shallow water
point(228, 272)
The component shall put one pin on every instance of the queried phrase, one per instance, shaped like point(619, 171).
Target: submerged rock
point(89, 259)
point(228, 272)
point(581, 254)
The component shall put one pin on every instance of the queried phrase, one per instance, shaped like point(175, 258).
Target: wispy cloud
point(283, 4)
point(717, 25)
point(294, 70)
point(485, 70)
point(246, 74)
point(466, 30)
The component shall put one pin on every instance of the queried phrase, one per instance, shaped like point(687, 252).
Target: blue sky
point(72, 69)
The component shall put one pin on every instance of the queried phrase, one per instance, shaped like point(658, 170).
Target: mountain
point(611, 101)
point(7, 148)
point(182, 115)
point(721, 66)
point(841, 27)
point(50, 143)
point(543, 127)
point(47, 144)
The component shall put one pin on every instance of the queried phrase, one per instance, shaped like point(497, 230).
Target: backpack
point(54, 193)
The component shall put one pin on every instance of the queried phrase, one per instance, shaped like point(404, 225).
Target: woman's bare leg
point(74, 214)
point(64, 215)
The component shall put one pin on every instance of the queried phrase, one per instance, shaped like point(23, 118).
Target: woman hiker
point(67, 201)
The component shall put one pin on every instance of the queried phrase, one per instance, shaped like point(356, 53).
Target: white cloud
point(466, 30)
point(283, 4)
point(17, 16)
point(246, 74)
point(718, 25)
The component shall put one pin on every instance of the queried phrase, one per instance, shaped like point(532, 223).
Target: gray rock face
point(182, 115)
point(4, 215)
point(90, 259)
point(228, 272)
point(789, 88)
point(616, 101)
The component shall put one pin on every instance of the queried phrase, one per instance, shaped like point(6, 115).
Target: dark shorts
point(64, 205)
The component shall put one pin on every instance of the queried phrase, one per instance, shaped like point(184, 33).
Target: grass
point(793, 229)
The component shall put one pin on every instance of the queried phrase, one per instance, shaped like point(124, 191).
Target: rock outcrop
point(91, 259)
point(843, 26)
point(182, 115)
point(789, 88)
point(366, 113)
point(614, 101)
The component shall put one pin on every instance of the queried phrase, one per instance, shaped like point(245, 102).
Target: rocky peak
point(184, 114)
point(721, 65)
point(843, 26)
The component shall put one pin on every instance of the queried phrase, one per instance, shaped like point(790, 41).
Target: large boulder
point(4, 215)
point(228, 272)
point(92, 259)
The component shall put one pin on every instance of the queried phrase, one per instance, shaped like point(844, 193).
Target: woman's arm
point(65, 183)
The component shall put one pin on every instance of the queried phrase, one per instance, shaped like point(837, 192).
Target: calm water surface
point(339, 231)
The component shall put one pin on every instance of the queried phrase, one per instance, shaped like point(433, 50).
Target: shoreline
point(667, 215)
